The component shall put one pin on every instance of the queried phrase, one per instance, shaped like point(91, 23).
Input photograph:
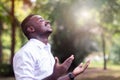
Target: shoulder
point(25, 51)
point(30, 49)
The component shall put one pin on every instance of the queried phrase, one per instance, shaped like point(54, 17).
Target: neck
point(42, 39)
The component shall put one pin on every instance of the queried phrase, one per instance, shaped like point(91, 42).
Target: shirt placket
point(50, 55)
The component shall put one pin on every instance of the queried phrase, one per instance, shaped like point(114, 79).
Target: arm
point(60, 69)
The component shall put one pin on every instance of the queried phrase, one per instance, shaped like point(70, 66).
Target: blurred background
point(89, 29)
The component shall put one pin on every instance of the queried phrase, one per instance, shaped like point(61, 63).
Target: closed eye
point(41, 20)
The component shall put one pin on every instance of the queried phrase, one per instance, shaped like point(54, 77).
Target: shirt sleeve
point(23, 65)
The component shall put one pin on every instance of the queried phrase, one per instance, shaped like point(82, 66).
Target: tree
point(9, 18)
point(13, 30)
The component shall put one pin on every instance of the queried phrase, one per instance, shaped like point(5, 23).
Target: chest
point(44, 62)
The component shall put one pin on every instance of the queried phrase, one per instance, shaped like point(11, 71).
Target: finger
point(56, 60)
point(86, 64)
point(68, 61)
point(80, 65)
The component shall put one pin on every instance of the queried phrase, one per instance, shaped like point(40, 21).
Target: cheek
point(41, 29)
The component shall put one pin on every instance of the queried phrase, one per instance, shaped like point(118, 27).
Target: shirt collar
point(40, 43)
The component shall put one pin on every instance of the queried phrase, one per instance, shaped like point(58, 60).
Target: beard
point(48, 32)
point(45, 33)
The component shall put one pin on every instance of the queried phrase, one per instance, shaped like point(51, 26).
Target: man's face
point(41, 26)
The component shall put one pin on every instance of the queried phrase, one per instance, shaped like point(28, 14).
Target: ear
point(30, 29)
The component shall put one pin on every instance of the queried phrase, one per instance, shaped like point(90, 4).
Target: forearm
point(68, 76)
point(51, 77)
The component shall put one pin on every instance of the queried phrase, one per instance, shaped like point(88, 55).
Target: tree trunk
point(104, 54)
point(13, 28)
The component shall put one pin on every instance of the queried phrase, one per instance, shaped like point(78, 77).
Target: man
point(34, 60)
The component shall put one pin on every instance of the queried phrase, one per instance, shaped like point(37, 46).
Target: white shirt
point(33, 61)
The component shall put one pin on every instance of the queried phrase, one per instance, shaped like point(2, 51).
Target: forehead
point(36, 17)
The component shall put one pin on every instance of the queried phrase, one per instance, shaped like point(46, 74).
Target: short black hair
point(25, 23)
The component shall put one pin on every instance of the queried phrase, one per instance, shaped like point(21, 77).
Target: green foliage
point(6, 56)
point(6, 70)
point(115, 54)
